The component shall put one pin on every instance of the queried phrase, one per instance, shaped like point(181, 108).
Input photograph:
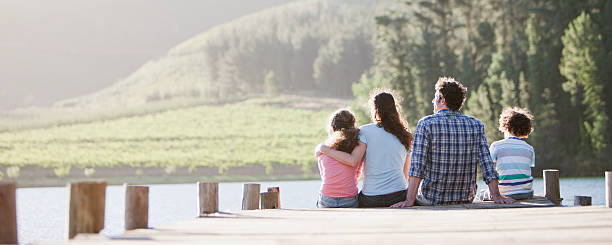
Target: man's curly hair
point(454, 92)
point(517, 121)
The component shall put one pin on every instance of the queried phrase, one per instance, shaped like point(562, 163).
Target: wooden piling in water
point(582, 201)
point(269, 200)
point(250, 196)
point(8, 213)
point(86, 202)
point(609, 189)
point(276, 189)
point(136, 207)
point(551, 186)
point(208, 200)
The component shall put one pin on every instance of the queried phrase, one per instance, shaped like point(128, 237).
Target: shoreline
point(35, 176)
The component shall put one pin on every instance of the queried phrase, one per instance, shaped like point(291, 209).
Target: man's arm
point(489, 174)
point(418, 162)
point(495, 195)
point(413, 189)
point(353, 159)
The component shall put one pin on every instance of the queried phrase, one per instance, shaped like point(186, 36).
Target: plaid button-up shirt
point(448, 147)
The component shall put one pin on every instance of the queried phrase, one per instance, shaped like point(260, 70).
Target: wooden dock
point(539, 220)
point(456, 224)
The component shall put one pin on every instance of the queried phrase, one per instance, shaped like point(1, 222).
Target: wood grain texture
point(8, 213)
point(417, 225)
point(86, 203)
point(551, 186)
point(276, 189)
point(582, 201)
point(250, 196)
point(136, 207)
point(269, 200)
point(208, 193)
point(609, 189)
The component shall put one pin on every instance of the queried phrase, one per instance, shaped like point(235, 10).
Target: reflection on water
point(41, 212)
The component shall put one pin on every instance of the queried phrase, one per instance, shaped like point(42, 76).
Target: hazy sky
point(52, 50)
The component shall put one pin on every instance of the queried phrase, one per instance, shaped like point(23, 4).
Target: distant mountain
point(53, 50)
point(321, 46)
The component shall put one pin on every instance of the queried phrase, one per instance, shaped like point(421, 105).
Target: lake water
point(41, 212)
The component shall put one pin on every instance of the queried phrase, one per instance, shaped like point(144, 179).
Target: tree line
point(552, 57)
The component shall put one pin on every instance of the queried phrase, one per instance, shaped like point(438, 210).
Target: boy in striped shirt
point(513, 157)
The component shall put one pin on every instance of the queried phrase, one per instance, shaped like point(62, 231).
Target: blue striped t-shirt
point(514, 158)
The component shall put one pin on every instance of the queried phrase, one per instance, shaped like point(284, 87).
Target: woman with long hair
point(384, 147)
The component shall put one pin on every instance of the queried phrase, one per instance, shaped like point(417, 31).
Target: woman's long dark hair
point(383, 104)
point(345, 136)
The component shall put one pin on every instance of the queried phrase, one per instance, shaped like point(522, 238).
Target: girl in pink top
point(339, 181)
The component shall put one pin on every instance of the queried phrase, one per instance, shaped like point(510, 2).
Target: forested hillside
point(318, 46)
point(552, 57)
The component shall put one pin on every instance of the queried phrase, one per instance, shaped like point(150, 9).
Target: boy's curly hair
point(345, 136)
point(517, 121)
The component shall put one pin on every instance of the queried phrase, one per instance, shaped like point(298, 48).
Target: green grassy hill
point(264, 132)
point(314, 45)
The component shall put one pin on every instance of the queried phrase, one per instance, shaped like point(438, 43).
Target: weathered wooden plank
point(8, 213)
point(535, 202)
point(276, 189)
point(582, 201)
point(86, 203)
point(269, 200)
point(250, 196)
point(609, 189)
point(551, 186)
point(208, 193)
point(136, 207)
point(567, 225)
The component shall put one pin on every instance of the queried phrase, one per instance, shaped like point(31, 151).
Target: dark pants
point(385, 200)
point(521, 196)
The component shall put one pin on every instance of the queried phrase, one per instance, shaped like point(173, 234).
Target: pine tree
point(484, 46)
point(394, 44)
point(557, 120)
point(433, 51)
point(493, 95)
point(582, 50)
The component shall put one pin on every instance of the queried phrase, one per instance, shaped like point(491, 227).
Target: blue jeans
point(337, 202)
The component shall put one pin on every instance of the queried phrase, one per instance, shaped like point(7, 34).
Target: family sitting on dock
point(435, 166)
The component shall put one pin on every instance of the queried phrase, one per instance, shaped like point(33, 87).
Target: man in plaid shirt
point(448, 147)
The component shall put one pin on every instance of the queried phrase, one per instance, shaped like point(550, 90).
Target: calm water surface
point(41, 212)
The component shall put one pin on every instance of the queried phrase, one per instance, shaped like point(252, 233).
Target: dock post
point(250, 196)
point(609, 189)
point(269, 200)
point(276, 189)
point(8, 213)
point(208, 193)
point(136, 207)
point(86, 202)
point(551, 186)
point(582, 201)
